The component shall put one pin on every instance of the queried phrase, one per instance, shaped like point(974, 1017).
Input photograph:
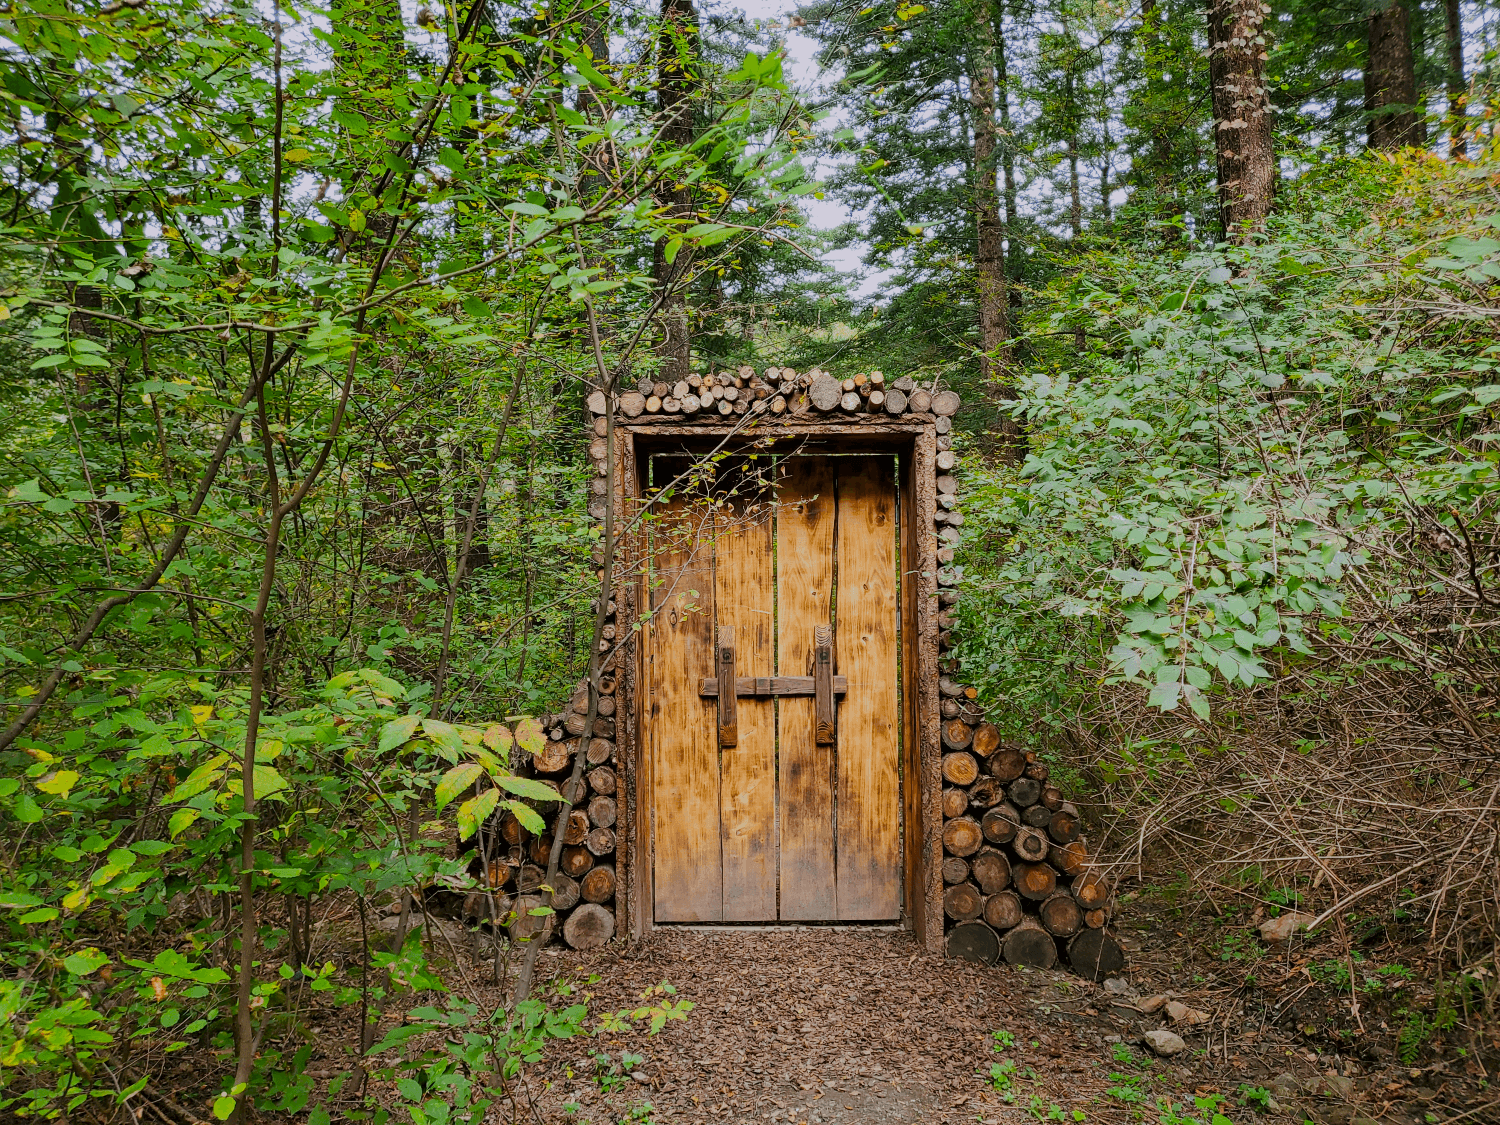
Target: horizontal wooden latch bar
point(771, 685)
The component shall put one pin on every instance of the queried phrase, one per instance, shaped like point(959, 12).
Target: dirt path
point(843, 1027)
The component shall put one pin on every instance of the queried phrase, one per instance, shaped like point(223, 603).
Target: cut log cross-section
point(589, 926)
point(962, 836)
point(1060, 915)
point(1035, 881)
point(991, 871)
point(962, 902)
point(598, 885)
point(955, 870)
point(999, 824)
point(960, 768)
point(1029, 844)
point(1091, 890)
point(1094, 954)
point(1027, 943)
point(1004, 910)
point(973, 941)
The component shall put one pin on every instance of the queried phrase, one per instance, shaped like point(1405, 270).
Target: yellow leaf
point(202, 713)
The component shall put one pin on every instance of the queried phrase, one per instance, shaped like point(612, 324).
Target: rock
point(641, 1076)
point(1178, 1012)
point(1339, 1087)
point(1153, 1004)
point(1338, 1115)
point(1165, 1043)
point(1284, 1086)
point(1280, 929)
point(1118, 986)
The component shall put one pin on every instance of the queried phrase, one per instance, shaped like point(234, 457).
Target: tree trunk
point(1242, 114)
point(1453, 29)
point(1391, 80)
point(989, 257)
point(676, 84)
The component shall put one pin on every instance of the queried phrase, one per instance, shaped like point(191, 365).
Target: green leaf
point(223, 1107)
point(529, 735)
point(27, 810)
point(473, 812)
point(398, 731)
point(181, 820)
point(528, 788)
point(527, 817)
point(455, 781)
point(85, 961)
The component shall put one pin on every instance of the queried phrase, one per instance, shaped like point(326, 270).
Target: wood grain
point(925, 676)
point(869, 849)
point(743, 603)
point(804, 578)
point(911, 750)
point(688, 869)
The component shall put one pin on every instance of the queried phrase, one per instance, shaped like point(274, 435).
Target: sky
point(805, 74)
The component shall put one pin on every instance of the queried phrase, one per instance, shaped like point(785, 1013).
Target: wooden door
point(775, 825)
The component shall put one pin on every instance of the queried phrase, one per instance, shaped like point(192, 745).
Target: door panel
point(865, 650)
point(777, 826)
point(683, 731)
point(804, 576)
point(743, 599)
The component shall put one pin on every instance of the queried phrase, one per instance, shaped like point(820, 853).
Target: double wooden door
point(769, 820)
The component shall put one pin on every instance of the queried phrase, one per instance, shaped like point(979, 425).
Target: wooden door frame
point(912, 438)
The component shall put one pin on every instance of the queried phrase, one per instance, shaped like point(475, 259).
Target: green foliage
point(1194, 505)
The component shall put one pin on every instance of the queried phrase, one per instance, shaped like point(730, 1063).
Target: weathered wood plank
point(925, 674)
point(688, 875)
point(743, 604)
point(913, 855)
point(804, 581)
point(869, 848)
point(771, 685)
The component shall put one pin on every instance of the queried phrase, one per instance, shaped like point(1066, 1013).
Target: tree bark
point(676, 85)
point(1453, 30)
point(1242, 114)
point(1391, 80)
point(989, 254)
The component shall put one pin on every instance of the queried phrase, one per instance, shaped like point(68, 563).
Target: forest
point(301, 309)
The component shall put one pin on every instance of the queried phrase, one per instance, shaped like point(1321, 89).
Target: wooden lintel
point(763, 686)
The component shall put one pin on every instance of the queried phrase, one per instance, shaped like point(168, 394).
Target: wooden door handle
point(729, 728)
point(823, 705)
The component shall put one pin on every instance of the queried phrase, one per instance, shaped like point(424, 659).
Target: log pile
point(779, 392)
point(1017, 878)
point(1018, 881)
point(515, 863)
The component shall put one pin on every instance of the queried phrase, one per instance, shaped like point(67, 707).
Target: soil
point(825, 1026)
